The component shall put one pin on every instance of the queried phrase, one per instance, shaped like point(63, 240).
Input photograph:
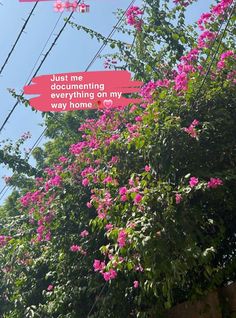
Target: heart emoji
point(108, 103)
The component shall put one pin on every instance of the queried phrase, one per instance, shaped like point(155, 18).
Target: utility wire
point(44, 47)
point(97, 298)
point(214, 55)
point(18, 37)
point(53, 44)
point(40, 65)
point(108, 37)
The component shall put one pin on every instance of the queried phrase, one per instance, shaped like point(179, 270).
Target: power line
point(18, 37)
point(46, 43)
point(214, 55)
point(108, 37)
point(97, 298)
point(41, 63)
point(53, 44)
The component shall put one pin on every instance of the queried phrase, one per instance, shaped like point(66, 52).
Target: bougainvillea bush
point(140, 213)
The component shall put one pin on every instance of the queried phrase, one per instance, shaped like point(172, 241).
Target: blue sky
point(73, 52)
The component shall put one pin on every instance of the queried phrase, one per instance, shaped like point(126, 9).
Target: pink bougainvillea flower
point(111, 274)
point(214, 183)
point(138, 118)
point(227, 54)
point(138, 198)
point(63, 159)
point(109, 226)
point(221, 64)
point(108, 180)
point(123, 191)
point(181, 82)
point(147, 90)
point(136, 284)
point(50, 288)
point(122, 238)
point(85, 182)
point(102, 215)
point(132, 17)
point(195, 123)
point(147, 168)
point(191, 129)
point(123, 198)
point(41, 229)
point(48, 236)
point(56, 181)
point(163, 83)
point(133, 108)
point(89, 204)
point(98, 265)
point(75, 248)
point(84, 233)
point(178, 198)
point(205, 38)
point(203, 20)
point(131, 182)
point(193, 182)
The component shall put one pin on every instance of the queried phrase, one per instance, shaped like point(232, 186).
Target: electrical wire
point(108, 37)
point(40, 65)
point(18, 37)
point(214, 55)
point(97, 298)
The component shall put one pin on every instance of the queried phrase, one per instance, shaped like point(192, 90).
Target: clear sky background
point(73, 52)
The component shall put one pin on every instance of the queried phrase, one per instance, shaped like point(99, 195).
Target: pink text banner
point(82, 91)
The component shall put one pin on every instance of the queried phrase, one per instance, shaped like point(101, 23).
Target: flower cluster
point(214, 183)
point(122, 236)
point(223, 57)
point(133, 17)
point(216, 11)
point(76, 248)
point(191, 129)
point(100, 267)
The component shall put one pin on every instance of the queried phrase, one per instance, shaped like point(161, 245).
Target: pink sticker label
point(82, 91)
